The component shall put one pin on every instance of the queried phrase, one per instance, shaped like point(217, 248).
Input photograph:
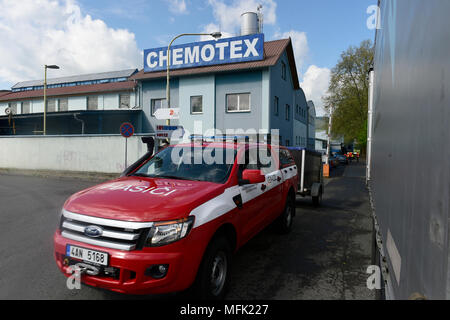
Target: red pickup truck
point(175, 220)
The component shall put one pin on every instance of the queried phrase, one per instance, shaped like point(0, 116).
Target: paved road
point(325, 257)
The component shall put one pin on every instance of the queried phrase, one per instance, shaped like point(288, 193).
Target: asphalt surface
point(324, 257)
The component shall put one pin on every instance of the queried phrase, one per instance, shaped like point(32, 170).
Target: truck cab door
point(261, 199)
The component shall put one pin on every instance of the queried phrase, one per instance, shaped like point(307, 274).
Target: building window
point(13, 107)
point(51, 105)
point(283, 70)
point(26, 107)
point(324, 144)
point(288, 112)
point(158, 104)
point(92, 102)
point(124, 101)
point(288, 142)
point(275, 106)
point(196, 104)
point(238, 102)
point(63, 104)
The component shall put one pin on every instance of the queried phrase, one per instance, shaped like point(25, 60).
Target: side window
point(263, 162)
point(267, 165)
point(285, 158)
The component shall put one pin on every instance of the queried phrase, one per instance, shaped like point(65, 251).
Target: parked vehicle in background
point(342, 159)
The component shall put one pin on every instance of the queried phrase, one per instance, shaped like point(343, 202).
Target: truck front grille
point(116, 234)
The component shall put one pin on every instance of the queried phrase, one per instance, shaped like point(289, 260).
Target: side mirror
point(252, 177)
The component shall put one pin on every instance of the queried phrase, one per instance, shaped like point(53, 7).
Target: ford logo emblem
point(93, 231)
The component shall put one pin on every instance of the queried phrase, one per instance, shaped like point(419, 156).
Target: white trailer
point(408, 171)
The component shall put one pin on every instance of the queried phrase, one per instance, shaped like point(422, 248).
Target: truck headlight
point(163, 233)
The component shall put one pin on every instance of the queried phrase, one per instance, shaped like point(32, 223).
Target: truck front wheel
point(213, 276)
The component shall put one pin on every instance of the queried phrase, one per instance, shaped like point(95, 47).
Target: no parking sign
point(126, 130)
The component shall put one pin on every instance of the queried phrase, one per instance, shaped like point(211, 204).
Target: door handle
point(263, 187)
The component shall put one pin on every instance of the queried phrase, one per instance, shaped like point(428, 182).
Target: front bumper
point(131, 267)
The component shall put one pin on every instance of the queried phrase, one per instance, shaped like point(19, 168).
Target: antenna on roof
point(260, 18)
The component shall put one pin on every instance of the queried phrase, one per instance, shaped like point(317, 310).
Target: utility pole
point(329, 136)
point(44, 131)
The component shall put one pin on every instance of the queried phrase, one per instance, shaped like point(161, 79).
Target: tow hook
point(86, 268)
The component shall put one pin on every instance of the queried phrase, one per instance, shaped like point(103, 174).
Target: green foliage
point(348, 93)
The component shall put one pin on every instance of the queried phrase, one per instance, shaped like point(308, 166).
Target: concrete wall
point(70, 153)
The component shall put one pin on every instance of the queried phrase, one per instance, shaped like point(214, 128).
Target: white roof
point(78, 78)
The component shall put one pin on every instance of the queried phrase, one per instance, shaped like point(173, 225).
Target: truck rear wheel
point(213, 276)
point(284, 222)
point(317, 200)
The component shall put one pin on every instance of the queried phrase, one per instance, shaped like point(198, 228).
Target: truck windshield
point(190, 163)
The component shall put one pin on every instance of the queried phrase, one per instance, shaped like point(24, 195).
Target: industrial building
point(231, 83)
point(92, 103)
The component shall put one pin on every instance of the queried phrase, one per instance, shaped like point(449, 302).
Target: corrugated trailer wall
point(411, 139)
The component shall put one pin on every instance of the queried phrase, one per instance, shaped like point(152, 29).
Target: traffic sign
point(165, 132)
point(126, 129)
point(167, 113)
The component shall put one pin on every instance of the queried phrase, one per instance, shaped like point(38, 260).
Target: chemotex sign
point(206, 53)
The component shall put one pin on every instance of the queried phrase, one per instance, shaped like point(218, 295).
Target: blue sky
point(330, 25)
point(103, 35)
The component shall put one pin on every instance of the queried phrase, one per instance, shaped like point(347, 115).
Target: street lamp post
point(45, 95)
point(330, 121)
point(215, 35)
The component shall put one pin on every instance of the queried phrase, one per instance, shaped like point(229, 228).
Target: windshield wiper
point(140, 175)
point(169, 177)
point(163, 176)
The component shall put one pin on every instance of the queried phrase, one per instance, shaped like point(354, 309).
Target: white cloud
point(315, 85)
point(177, 6)
point(212, 27)
point(300, 45)
point(228, 16)
point(35, 33)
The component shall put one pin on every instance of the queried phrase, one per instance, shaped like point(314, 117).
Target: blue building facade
point(260, 95)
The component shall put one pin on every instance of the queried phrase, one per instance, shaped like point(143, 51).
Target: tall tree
point(348, 93)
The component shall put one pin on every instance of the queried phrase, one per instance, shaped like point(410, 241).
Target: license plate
point(87, 255)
